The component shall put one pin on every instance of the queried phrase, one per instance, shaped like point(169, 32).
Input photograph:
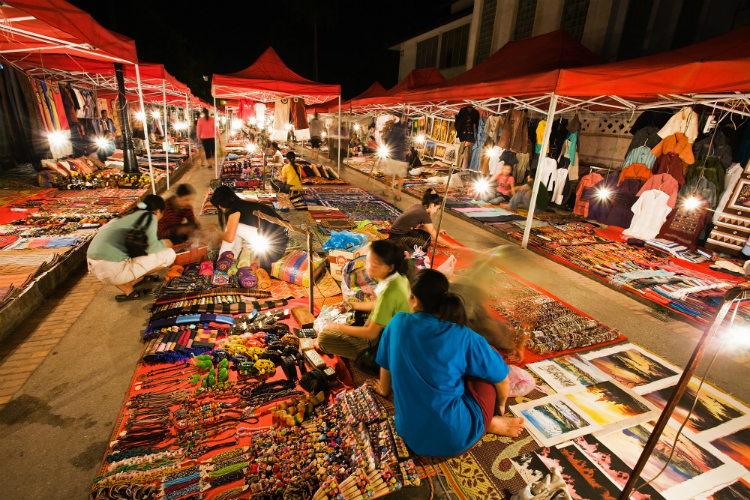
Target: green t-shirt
point(393, 299)
point(542, 197)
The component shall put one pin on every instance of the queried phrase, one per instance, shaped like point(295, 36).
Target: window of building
point(454, 46)
point(574, 17)
point(525, 19)
point(427, 52)
point(486, 30)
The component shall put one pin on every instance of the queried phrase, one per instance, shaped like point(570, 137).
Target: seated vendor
point(240, 227)
point(414, 226)
point(522, 196)
point(383, 262)
point(178, 221)
point(503, 184)
point(290, 175)
point(109, 255)
point(449, 386)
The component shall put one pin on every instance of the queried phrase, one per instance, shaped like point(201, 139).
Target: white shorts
point(395, 167)
point(119, 273)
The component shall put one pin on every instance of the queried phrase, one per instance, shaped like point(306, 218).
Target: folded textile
point(225, 261)
point(207, 268)
point(247, 278)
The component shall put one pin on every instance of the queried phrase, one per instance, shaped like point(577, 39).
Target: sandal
point(398, 198)
point(134, 295)
point(153, 278)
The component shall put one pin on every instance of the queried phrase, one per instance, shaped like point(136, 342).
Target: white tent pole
point(339, 148)
point(189, 119)
point(166, 126)
point(145, 128)
point(537, 177)
point(216, 121)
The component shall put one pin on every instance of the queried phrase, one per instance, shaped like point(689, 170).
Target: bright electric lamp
point(324, 134)
point(253, 121)
point(141, 116)
point(492, 153)
point(250, 147)
point(738, 335)
point(288, 126)
point(155, 114)
point(420, 139)
point(236, 123)
point(261, 244)
point(383, 152)
point(482, 186)
point(56, 138)
point(691, 203)
point(356, 126)
point(101, 142)
point(604, 194)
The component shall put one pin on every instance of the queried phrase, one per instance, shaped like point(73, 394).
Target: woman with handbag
point(384, 262)
point(127, 251)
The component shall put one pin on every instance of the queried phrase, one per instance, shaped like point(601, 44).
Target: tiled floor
point(25, 349)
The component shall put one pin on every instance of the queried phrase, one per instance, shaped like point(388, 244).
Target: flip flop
point(153, 278)
point(134, 295)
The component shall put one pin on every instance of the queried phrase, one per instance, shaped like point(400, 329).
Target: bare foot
point(506, 426)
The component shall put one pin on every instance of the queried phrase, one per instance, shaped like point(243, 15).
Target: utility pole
point(128, 151)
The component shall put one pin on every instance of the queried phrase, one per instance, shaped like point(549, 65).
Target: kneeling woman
point(241, 225)
point(108, 255)
point(446, 379)
point(383, 262)
point(414, 226)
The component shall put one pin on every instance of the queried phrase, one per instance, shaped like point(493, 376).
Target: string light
point(482, 186)
point(603, 194)
point(420, 139)
point(141, 116)
point(691, 203)
point(383, 152)
point(101, 142)
point(56, 138)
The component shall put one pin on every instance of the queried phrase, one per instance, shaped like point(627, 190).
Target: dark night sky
point(193, 38)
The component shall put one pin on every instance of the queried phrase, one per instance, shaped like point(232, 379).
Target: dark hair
point(532, 174)
point(205, 113)
point(290, 156)
point(390, 253)
point(275, 145)
point(223, 197)
point(431, 288)
point(154, 202)
point(184, 190)
point(430, 197)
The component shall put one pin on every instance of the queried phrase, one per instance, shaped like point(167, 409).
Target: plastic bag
point(448, 266)
point(344, 240)
point(521, 382)
point(356, 284)
point(330, 314)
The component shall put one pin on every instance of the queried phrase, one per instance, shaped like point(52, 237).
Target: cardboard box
point(339, 258)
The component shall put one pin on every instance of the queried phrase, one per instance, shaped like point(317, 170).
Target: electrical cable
point(695, 401)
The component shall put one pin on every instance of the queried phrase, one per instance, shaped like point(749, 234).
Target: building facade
point(614, 29)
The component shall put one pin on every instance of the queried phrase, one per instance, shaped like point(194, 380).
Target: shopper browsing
point(316, 135)
point(126, 251)
point(449, 386)
point(396, 163)
point(178, 221)
point(414, 226)
point(384, 262)
point(205, 132)
point(240, 227)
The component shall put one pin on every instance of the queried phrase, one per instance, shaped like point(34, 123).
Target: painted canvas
point(632, 368)
point(450, 154)
point(554, 419)
point(436, 129)
point(736, 446)
point(710, 411)
point(584, 480)
point(556, 377)
point(607, 403)
point(689, 461)
point(439, 151)
point(735, 491)
point(430, 149)
point(582, 369)
point(614, 467)
point(428, 127)
point(530, 467)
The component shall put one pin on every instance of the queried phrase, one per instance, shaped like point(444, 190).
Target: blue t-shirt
point(428, 358)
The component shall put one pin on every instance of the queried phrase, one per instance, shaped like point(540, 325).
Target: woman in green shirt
point(384, 262)
point(108, 256)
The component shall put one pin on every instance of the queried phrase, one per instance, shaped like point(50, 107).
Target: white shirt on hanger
point(685, 121)
point(545, 171)
point(649, 214)
point(561, 175)
point(495, 164)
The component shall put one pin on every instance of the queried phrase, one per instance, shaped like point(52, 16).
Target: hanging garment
point(714, 145)
point(583, 192)
point(649, 214)
point(685, 121)
point(561, 180)
point(678, 144)
point(684, 225)
point(521, 167)
point(641, 154)
point(299, 114)
point(515, 136)
point(465, 152)
point(38, 130)
point(493, 127)
point(600, 206)
point(47, 89)
point(574, 125)
point(280, 117)
point(467, 121)
point(572, 144)
point(665, 183)
point(494, 154)
point(700, 186)
point(710, 168)
point(623, 198)
point(21, 114)
point(260, 113)
point(670, 164)
point(246, 110)
point(70, 112)
point(636, 171)
point(481, 137)
point(647, 137)
point(730, 182)
point(545, 171)
point(540, 137)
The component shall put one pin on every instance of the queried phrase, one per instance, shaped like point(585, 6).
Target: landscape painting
point(736, 446)
point(607, 403)
point(582, 369)
point(555, 422)
point(632, 368)
point(739, 490)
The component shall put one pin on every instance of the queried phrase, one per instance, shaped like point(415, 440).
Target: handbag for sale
point(293, 268)
point(136, 239)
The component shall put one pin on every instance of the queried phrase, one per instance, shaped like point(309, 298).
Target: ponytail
point(431, 287)
point(430, 197)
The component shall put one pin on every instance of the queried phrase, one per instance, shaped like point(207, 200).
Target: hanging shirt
point(665, 183)
point(685, 121)
point(714, 145)
point(260, 113)
point(540, 137)
point(623, 198)
point(545, 171)
point(412, 345)
point(582, 193)
point(649, 214)
point(677, 143)
point(710, 168)
point(299, 113)
point(642, 155)
point(466, 124)
point(636, 171)
point(670, 164)
point(701, 186)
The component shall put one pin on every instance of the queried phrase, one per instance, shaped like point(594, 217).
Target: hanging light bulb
point(383, 152)
point(482, 186)
point(691, 203)
point(420, 139)
point(56, 139)
point(155, 114)
point(141, 116)
point(101, 142)
point(253, 121)
point(356, 126)
point(288, 126)
point(603, 194)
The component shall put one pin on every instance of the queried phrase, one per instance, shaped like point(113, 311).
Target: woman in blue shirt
point(446, 379)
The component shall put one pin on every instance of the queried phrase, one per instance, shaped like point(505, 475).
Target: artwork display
point(436, 129)
point(451, 152)
point(439, 151)
point(741, 198)
point(568, 372)
point(556, 377)
point(451, 133)
point(739, 490)
point(428, 126)
point(444, 130)
point(608, 403)
point(553, 420)
point(634, 368)
point(736, 446)
point(429, 149)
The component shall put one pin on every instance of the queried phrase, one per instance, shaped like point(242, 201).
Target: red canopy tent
point(269, 78)
point(330, 106)
point(57, 27)
point(396, 95)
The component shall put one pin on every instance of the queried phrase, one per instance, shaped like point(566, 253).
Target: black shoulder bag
point(136, 239)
